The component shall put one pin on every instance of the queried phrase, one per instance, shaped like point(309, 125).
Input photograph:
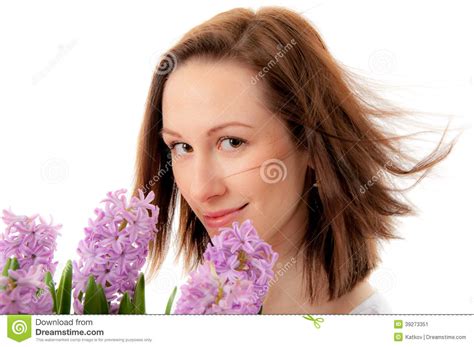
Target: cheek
point(183, 182)
point(180, 177)
point(268, 203)
point(274, 202)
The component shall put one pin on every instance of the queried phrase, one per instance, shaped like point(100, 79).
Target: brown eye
point(185, 148)
point(234, 142)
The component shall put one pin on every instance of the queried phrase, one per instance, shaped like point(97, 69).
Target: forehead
point(202, 93)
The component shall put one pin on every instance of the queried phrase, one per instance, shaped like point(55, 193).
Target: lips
point(222, 218)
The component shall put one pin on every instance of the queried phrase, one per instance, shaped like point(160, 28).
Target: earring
point(316, 184)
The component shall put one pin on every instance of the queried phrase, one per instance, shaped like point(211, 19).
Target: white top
point(374, 304)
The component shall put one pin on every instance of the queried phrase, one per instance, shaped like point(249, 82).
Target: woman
point(250, 116)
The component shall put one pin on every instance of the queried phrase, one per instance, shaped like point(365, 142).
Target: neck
point(286, 294)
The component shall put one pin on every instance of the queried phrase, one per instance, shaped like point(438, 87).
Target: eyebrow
point(210, 132)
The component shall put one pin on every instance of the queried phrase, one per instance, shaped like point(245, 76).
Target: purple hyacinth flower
point(32, 241)
point(234, 276)
point(115, 246)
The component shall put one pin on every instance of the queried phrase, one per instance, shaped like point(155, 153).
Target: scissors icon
point(315, 321)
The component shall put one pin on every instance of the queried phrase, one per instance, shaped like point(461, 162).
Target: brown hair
point(327, 113)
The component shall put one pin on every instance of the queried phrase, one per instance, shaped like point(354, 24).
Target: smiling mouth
point(224, 219)
point(243, 207)
point(213, 215)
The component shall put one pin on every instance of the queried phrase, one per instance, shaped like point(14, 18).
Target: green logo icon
point(316, 321)
point(398, 337)
point(19, 327)
point(398, 324)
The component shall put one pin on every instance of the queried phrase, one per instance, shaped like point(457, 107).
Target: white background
point(74, 80)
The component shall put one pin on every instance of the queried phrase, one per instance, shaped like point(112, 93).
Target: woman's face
point(230, 151)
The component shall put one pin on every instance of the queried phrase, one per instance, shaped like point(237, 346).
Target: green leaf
point(103, 304)
point(5, 271)
point(126, 305)
point(91, 300)
point(170, 300)
point(65, 290)
point(139, 296)
point(14, 265)
point(95, 301)
point(6, 267)
point(48, 279)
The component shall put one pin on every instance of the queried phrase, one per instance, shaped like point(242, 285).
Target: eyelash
point(243, 142)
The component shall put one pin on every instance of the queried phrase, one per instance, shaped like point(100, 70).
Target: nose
point(207, 181)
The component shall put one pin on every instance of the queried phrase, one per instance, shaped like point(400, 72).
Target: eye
point(233, 141)
point(185, 146)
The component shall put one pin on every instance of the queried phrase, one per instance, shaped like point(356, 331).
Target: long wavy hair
point(340, 122)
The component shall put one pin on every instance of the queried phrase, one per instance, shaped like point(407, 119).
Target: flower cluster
point(234, 275)
point(32, 245)
point(115, 247)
